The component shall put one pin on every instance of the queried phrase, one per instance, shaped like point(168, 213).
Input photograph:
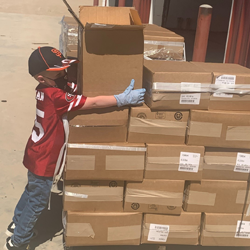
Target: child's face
point(48, 77)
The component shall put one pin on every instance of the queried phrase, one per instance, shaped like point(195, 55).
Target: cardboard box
point(213, 196)
point(155, 28)
point(176, 85)
point(92, 229)
point(174, 162)
point(93, 196)
point(226, 164)
point(225, 230)
point(226, 74)
point(149, 126)
point(170, 229)
point(113, 161)
point(154, 196)
point(110, 50)
point(98, 125)
point(228, 129)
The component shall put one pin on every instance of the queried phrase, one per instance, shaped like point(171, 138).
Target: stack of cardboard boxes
point(99, 160)
point(217, 96)
point(127, 169)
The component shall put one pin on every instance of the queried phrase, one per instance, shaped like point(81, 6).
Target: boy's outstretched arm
point(128, 97)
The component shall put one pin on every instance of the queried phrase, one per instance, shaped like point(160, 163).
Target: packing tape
point(205, 129)
point(200, 198)
point(193, 87)
point(164, 43)
point(164, 163)
point(241, 196)
point(238, 133)
point(220, 160)
point(93, 194)
point(132, 232)
point(125, 162)
point(174, 96)
point(225, 163)
point(204, 87)
point(178, 231)
point(219, 231)
point(80, 230)
point(106, 147)
point(157, 126)
point(80, 162)
point(218, 234)
point(163, 198)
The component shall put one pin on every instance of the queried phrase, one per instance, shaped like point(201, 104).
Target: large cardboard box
point(154, 196)
point(226, 164)
point(98, 125)
point(176, 85)
point(174, 162)
point(110, 50)
point(113, 161)
point(92, 229)
point(170, 229)
point(150, 126)
point(231, 86)
point(93, 196)
point(214, 196)
point(225, 230)
point(214, 128)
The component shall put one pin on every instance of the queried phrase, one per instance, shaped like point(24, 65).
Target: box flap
point(135, 17)
point(107, 15)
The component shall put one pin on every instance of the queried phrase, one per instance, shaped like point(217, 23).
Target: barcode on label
point(186, 168)
point(241, 169)
point(227, 78)
point(187, 101)
point(164, 228)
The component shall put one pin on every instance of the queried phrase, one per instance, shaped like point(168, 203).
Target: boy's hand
point(130, 96)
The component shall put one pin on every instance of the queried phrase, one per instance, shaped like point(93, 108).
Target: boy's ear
point(40, 79)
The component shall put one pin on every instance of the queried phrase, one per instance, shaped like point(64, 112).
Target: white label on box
point(158, 233)
point(242, 163)
point(244, 231)
point(193, 99)
point(222, 95)
point(190, 86)
point(225, 80)
point(189, 162)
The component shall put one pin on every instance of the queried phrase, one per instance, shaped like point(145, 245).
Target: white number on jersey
point(34, 137)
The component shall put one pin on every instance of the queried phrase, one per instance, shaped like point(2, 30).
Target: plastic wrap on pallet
point(164, 50)
point(69, 34)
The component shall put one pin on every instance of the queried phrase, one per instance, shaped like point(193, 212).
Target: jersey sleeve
point(65, 102)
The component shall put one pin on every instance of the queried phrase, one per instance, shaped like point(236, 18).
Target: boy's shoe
point(9, 245)
point(10, 229)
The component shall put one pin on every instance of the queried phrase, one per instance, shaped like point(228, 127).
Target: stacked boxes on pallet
point(128, 169)
point(99, 160)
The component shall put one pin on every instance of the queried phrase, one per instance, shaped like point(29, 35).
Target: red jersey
point(47, 138)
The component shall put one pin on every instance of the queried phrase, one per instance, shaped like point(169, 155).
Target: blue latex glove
point(130, 96)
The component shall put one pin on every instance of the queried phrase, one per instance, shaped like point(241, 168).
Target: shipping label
point(242, 163)
point(225, 81)
point(158, 233)
point(189, 162)
point(192, 99)
point(243, 230)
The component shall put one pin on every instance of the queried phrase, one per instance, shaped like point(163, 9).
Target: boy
point(44, 150)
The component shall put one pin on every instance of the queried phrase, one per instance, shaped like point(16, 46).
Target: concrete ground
point(25, 25)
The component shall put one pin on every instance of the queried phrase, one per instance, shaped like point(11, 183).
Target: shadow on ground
point(49, 224)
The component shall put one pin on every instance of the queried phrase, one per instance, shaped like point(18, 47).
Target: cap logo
point(56, 52)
